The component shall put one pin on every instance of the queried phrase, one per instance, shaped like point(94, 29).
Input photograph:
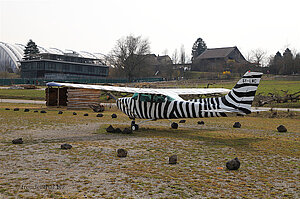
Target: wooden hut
point(73, 98)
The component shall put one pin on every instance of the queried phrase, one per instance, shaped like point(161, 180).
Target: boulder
point(281, 129)
point(35, 111)
point(60, 112)
point(86, 114)
point(110, 129)
point(114, 115)
point(97, 107)
point(118, 130)
point(17, 141)
point(233, 164)
point(182, 121)
point(26, 110)
point(43, 112)
point(122, 153)
point(173, 159)
point(66, 146)
point(127, 131)
point(237, 125)
point(74, 113)
point(174, 125)
point(7, 109)
point(99, 115)
point(200, 122)
point(16, 109)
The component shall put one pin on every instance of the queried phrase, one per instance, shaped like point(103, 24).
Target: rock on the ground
point(233, 164)
point(237, 125)
point(86, 114)
point(200, 122)
point(173, 159)
point(174, 125)
point(99, 115)
point(281, 129)
point(7, 109)
point(122, 153)
point(110, 129)
point(118, 130)
point(60, 112)
point(16, 109)
point(17, 141)
point(66, 146)
point(127, 131)
point(114, 115)
point(26, 110)
point(43, 112)
point(74, 113)
point(182, 121)
point(35, 111)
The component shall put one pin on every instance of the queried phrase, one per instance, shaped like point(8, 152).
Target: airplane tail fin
point(242, 95)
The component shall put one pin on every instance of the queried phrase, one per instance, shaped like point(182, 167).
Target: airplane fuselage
point(135, 108)
point(157, 106)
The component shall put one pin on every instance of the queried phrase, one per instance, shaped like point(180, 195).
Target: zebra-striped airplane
point(147, 103)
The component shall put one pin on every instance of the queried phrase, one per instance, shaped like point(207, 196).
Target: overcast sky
point(95, 26)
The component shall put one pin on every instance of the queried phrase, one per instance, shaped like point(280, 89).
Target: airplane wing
point(172, 92)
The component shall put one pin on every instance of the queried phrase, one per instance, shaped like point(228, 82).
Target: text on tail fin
point(242, 95)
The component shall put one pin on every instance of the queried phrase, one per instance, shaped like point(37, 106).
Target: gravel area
point(91, 169)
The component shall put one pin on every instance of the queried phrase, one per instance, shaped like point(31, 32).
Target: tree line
point(284, 64)
point(130, 58)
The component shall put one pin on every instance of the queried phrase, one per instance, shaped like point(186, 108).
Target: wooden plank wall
point(82, 98)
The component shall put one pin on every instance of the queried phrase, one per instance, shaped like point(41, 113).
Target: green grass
point(275, 86)
point(27, 94)
point(265, 86)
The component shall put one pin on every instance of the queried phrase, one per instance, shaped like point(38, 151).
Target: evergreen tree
point(276, 63)
point(198, 48)
point(31, 51)
point(288, 63)
point(297, 64)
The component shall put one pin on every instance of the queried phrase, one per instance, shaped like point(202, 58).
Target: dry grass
point(39, 169)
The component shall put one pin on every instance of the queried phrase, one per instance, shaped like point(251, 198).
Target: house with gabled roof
point(218, 59)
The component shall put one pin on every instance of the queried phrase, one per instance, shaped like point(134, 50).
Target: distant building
point(52, 63)
point(219, 59)
point(158, 62)
point(66, 66)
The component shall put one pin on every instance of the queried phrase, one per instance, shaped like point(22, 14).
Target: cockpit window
point(145, 98)
point(170, 98)
point(151, 98)
point(158, 98)
point(135, 96)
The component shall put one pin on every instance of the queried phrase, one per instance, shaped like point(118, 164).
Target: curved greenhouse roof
point(12, 54)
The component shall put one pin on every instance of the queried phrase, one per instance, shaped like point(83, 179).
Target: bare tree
point(182, 55)
point(258, 57)
point(128, 55)
point(175, 56)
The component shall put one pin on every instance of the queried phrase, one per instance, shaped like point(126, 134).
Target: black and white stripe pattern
point(168, 110)
point(239, 99)
point(242, 95)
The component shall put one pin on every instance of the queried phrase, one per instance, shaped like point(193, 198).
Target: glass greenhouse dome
point(12, 54)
